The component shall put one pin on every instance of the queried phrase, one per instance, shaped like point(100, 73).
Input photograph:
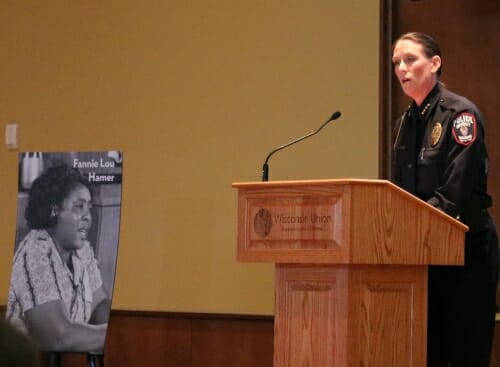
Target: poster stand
point(95, 360)
point(53, 359)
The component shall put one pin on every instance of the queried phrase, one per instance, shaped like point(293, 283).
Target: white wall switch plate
point(11, 136)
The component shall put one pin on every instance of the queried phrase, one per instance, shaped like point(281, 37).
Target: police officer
point(439, 155)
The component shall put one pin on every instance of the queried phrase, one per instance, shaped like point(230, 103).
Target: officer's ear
point(436, 63)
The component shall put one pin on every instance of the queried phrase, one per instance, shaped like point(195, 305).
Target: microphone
point(265, 167)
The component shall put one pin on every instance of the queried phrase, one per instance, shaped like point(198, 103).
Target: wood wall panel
point(231, 342)
point(179, 340)
point(187, 340)
point(147, 339)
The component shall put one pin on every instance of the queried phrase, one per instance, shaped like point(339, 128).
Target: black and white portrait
point(66, 247)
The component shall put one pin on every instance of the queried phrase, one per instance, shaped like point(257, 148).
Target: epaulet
point(455, 102)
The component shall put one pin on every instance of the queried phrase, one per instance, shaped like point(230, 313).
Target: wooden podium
point(351, 268)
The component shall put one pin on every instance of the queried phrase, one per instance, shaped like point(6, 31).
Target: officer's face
point(415, 71)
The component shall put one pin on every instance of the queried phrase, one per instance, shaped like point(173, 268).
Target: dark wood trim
point(388, 87)
point(385, 88)
point(191, 315)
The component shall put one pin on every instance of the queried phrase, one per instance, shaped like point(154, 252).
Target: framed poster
point(65, 252)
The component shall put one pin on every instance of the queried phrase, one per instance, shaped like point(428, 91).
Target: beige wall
point(196, 93)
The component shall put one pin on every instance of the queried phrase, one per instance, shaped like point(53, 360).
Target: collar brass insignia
point(436, 133)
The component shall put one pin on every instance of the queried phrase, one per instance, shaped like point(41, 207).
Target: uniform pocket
point(429, 170)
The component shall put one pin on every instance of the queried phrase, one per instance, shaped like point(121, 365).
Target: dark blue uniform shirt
point(439, 155)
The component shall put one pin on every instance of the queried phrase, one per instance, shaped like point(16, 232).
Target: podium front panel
point(294, 225)
point(350, 316)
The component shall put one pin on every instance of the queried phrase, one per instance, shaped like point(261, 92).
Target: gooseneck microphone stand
point(265, 167)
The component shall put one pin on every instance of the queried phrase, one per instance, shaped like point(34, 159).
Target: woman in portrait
point(56, 292)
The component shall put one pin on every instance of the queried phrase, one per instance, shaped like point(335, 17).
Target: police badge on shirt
point(464, 128)
point(437, 130)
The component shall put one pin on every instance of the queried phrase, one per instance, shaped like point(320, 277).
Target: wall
point(196, 93)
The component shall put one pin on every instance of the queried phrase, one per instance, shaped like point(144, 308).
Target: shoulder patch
point(464, 128)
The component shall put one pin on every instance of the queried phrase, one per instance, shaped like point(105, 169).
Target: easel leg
point(55, 359)
point(50, 359)
point(95, 360)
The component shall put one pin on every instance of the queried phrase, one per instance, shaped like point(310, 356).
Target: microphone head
point(335, 115)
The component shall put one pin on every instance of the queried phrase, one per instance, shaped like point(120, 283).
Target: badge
point(464, 128)
point(436, 134)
